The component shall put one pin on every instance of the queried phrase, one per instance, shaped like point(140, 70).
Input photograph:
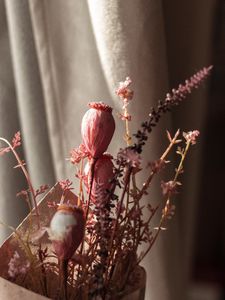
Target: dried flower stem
point(147, 223)
point(129, 171)
point(127, 134)
point(43, 271)
point(27, 178)
point(81, 193)
point(92, 169)
point(164, 215)
point(63, 274)
point(183, 156)
point(162, 158)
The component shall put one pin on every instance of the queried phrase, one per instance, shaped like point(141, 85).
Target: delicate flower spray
point(93, 241)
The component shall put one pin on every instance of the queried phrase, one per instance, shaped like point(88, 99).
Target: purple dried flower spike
point(172, 99)
point(183, 90)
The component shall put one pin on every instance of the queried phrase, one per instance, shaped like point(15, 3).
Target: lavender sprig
point(172, 99)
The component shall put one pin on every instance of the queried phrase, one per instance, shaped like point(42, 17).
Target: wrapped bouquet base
point(22, 286)
point(15, 246)
point(11, 291)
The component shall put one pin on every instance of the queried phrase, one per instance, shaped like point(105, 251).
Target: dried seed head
point(66, 230)
point(103, 174)
point(97, 128)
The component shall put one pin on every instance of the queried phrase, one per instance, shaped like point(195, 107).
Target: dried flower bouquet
point(85, 245)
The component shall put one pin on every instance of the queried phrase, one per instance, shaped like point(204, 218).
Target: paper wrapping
point(15, 290)
point(12, 244)
point(11, 291)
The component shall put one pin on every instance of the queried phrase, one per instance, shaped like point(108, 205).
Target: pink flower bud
point(66, 230)
point(97, 128)
point(103, 174)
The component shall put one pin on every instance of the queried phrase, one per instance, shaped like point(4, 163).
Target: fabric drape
point(56, 56)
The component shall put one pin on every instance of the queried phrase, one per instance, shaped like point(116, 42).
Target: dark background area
point(189, 33)
point(209, 258)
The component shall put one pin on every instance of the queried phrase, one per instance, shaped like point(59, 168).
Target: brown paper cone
point(13, 244)
point(19, 290)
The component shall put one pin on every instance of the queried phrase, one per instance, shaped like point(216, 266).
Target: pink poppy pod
point(97, 128)
point(66, 230)
point(103, 174)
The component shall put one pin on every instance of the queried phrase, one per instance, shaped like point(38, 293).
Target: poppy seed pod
point(97, 128)
point(66, 230)
point(103, 174)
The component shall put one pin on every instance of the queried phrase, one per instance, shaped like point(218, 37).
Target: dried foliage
point(106, 225)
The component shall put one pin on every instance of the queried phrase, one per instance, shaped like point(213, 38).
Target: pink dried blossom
point(103, 174)
point(169, 188)
point(130, 157)
point(77, 154)
point(124, 92)
point(191, 136)
point(42, 189)
point(97, 128)
point(16, 141)
point(66, 230)
point(17, 265)
point(66, 185)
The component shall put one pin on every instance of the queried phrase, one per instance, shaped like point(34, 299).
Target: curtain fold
point(10, 181)
point(189, 47)
point(64, 54)
point(29, 92)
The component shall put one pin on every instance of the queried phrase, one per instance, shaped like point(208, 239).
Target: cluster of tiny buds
point(16, 142)
point(66, 185)
point(191, 136)
point(124, 92)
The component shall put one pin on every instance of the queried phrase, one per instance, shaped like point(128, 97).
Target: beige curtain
point(56, 56)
